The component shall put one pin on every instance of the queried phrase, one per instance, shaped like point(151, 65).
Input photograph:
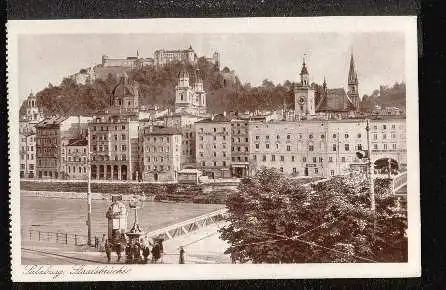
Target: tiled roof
point(51, 121)
point(336, 100)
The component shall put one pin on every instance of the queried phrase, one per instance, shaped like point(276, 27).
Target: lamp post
point(370, 169)
point(89, 189)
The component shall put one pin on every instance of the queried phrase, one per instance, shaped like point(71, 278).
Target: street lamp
point(370, 168)
point(89, 189)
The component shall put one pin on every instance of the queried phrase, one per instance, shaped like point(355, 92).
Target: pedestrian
point(155, 253)
point(108, 250)
point(181, 255)
point(96, 242)
point(102, 246)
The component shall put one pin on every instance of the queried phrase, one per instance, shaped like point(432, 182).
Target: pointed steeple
point(137, 53)
point(352, 76)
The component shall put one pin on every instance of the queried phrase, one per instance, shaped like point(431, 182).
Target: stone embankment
point(202, 193)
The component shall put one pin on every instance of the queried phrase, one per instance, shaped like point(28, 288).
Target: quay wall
point(201, 193)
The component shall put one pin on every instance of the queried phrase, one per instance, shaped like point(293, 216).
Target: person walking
point(181, 255)
point(102, 245)
point(108, 250)
point(155, 253)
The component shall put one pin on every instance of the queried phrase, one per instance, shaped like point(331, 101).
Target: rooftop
point(164, 131)
point(51, 121)
point(216, 119)
point(78, 142)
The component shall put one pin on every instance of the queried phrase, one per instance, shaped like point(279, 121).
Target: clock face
point(301, 100)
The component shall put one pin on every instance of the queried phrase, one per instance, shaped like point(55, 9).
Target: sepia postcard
point(185, 149)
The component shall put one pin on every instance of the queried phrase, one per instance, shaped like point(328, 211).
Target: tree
point(272, 219)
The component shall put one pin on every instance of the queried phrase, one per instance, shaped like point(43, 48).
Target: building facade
point(239, 147)
point(161, 154)
point(28, 153)
point(74, 158)
point(163, 56)
point(113, 141)
point(213, 146)
point(48, 147)
point(324, 147)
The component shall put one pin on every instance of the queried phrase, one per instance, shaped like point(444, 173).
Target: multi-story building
point(239, 147)
point(185, 122)
point(28, 153)
point(113, 141)
point(75, 158)
point(130, 62)
point(213, 146)
point(48, 147)
point(49, 135)
point(161, 154)
point(163, 56)
point(324, 147)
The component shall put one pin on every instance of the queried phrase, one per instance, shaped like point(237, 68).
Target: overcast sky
point(278, 57)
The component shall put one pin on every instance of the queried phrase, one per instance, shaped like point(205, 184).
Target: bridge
point(185, 227)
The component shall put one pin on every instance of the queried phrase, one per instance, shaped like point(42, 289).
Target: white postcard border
point(405, 24)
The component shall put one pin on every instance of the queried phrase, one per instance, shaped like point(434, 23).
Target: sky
point(379, 56)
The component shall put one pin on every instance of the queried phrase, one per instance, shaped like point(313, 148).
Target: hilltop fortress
point(161, 57)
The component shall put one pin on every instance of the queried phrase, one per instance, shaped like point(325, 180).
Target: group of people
point(136, 251)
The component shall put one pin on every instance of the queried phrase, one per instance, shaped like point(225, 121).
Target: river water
point(70, 215)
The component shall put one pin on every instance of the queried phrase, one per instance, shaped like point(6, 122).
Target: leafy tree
point(274, 220)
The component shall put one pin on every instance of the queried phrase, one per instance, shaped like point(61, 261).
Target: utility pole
point(89, 188)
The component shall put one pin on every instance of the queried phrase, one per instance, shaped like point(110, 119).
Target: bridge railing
point(55, 237)
point(399, 181)
point(189, 225)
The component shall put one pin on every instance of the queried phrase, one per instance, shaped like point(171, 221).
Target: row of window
point(214, 138)
point(105, 137)
point(31, 166)
point(104, 148)
point(213, 154)
point(75, 159)
point(213, 163)
point(310, 147)
point(46, 163)
point(157, 159)
point(28, 148)
point(107, 158)
point(106, 128)
point(310, 136)
point(281, 158)
point(46, 141)
point(84, 150)
point(154, 149)
point(79, 169)
point(156, 168)
point(215, 130)
point(384, 136)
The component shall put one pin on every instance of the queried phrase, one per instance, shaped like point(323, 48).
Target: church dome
point(124, 88)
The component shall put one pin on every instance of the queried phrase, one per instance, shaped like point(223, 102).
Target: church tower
point(353, 92)
point(304, 95)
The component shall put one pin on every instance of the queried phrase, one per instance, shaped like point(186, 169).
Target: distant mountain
point(394, 96)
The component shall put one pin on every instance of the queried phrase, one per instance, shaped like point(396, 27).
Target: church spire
point(352, 76)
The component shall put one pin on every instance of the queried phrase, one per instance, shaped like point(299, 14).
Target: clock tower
point(304, 95)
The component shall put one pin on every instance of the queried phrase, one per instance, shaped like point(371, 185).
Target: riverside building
point(324, 147)
point(213, 146)
point(161, 154)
